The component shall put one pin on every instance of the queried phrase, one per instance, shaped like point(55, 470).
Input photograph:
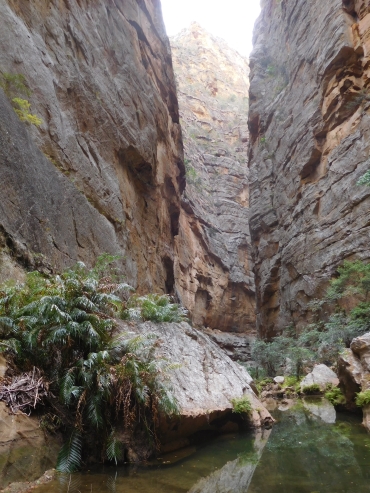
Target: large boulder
point(354, 373)
point(204, 383)
point(322, 376)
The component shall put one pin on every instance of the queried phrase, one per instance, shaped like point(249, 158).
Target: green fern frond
point(114, 450)
point(70, 455)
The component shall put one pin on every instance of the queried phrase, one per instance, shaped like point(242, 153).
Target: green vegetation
point(192, 176)
point(65, 326)
point(22, 108)
point(13, 86)
point(335, 396)
point(363, 398)
point(323, 340)
point(311, 389)
point(154, 307)
point(365, 179)
point(241, 405)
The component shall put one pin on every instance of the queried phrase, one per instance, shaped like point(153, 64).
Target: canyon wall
point(104, 172)
point(213, 267)
point(309, 127)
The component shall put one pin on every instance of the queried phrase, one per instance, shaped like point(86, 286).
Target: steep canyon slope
point(309, 128)
point(104, 172)
point(213, 263)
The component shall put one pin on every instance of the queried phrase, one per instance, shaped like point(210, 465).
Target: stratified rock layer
point(213, 266)
point(309, 122)
point(105, 171)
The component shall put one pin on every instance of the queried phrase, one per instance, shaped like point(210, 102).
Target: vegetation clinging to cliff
point(64, 325)
point(323, 340)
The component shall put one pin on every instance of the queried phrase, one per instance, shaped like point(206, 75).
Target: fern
point(113, 450)
point(69, 458)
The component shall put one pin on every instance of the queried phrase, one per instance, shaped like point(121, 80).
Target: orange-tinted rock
point(309, 123)
point(213, 267)
point(104, 172)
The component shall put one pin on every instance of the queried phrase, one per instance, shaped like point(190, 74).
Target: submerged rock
point(321, 375)
point(236, 475)
point(204, 383)
point(321, 408)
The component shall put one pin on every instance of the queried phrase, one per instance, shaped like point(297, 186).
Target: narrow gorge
point(184, 261)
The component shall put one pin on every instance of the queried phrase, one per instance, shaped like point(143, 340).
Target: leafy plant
point(64, 325)
point(22, 108)
point(155, 307)
point(192, 176)
point(348, 300)
point(335, 396)
point(14, 84)
point(311, 389)
point(365, 179)
point(241, 405)
point(363, 398)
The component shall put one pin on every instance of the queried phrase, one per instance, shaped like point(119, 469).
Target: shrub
point(64, 325)
point(363, 398)
point(322, 341)
point(14, 84)
point(311, 389)
point(22, 108)
point(241, 405)
point(335, 396)
point(154, 307)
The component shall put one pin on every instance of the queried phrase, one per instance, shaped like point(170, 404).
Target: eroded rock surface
point(213, 266)
point(25, 451)
point(203, 384)
point(354, 373)
point(104, 172)
point(309, 144)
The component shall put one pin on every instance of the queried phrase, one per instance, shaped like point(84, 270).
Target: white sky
point(231, 20)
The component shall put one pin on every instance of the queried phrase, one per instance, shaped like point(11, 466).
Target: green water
point(302, 454)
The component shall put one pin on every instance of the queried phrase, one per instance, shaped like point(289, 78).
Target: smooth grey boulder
point(204, 383)
point(321, 375)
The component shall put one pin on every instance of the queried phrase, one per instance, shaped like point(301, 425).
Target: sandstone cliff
point(213, 265)
point(309, 125)
point(104, 172)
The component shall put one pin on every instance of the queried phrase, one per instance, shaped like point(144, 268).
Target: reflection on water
point(304, 454)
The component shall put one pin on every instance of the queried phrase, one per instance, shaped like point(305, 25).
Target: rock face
point(104, 172)
point(204, 383)
point(25, 452)
point(309, 144)
point(322, 376)
point(354, 373)
point(213, 267)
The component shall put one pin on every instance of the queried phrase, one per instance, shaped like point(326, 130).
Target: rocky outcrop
point(309, 130)
point(354, 373)
point(213, 267)
point(104, 171)
point(322, 376)
point(25, 451)
point(204, 382)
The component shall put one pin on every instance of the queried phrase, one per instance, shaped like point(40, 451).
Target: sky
point(231, 20)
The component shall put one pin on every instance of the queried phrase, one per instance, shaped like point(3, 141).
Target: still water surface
point(306, 452)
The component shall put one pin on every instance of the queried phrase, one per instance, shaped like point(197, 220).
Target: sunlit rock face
point(104, 172)
point(309, 127)
point(213, 265)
